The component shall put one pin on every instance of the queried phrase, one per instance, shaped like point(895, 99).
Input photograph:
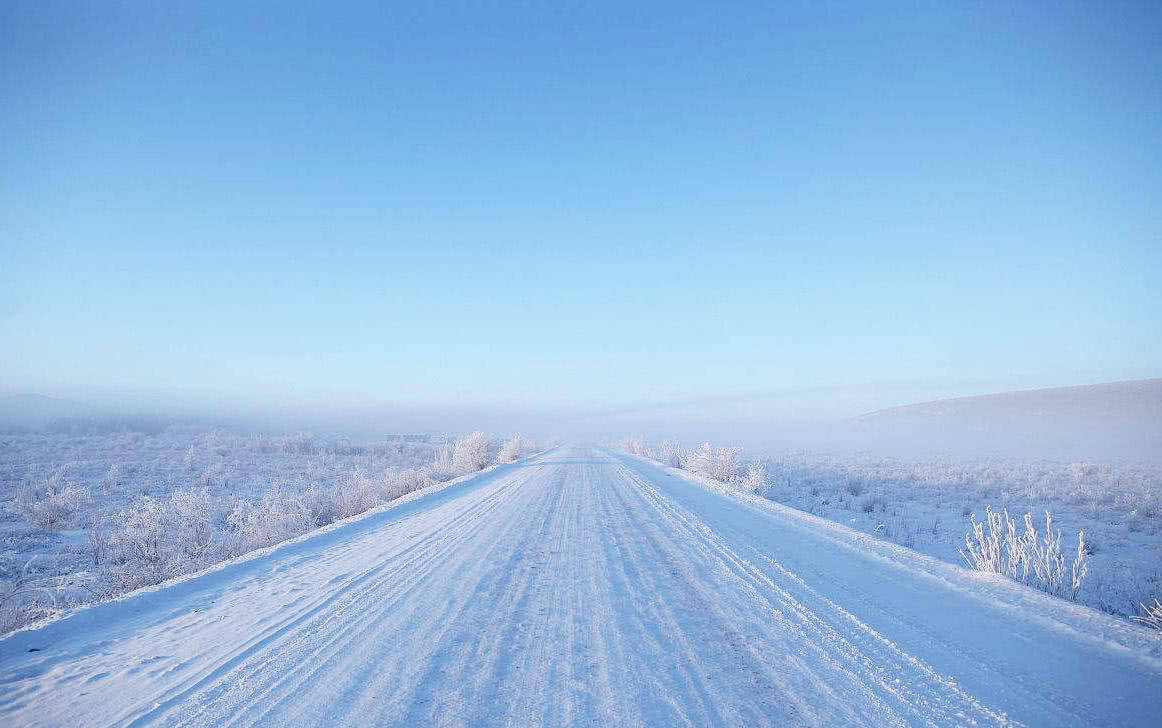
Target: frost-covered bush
point(320, 503)
point(277, 517)
point(670, 454)
point(52, 502)
point(719, 463)
point(398, 483)
point(358, 495)
point(515, 448)
point(142, 535)
point(635, 446)
point(192, 513)
point(21, 600)
point(755, 478)
point(97, 541)
point(1028, 557)
point(471, 453)
point(442, 465)
point(112, 479)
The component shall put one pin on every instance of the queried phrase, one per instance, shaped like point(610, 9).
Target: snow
point(90, 516)
point(583, 587)
point(926, 506)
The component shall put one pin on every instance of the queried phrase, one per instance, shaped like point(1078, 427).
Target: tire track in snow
point(864, 664)
point(384, 584)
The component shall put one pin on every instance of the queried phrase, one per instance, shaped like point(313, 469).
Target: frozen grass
point(1028, 557)
point(1151, 615)
point(930, 505)
point(89, 517)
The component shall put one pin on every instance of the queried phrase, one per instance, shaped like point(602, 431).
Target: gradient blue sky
point(571, 207)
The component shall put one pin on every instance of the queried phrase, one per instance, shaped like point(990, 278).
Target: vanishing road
point(583, 587)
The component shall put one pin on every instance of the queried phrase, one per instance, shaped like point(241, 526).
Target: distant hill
point(1131, 401)
point(1120, 420)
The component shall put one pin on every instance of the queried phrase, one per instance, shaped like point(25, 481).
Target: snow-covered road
point(583, 587)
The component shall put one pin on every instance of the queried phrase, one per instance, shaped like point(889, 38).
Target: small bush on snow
point(142, 535)
point(192, 513)
point(21, 601)
point(670, 454)
point(755, 478)
point(320, 503)
point(358, 495)
point(514, 449)
point(471, 453)
point(442, 467)
point(51, 502)
point(97, 541)
point(277, 517)
point(719, 463)
point(398, 483)
point(112, 479)
point(635, 446)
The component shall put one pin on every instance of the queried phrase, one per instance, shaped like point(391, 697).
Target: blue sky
point(579, 207)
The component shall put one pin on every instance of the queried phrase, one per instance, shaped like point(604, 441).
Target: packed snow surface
point(583, 587)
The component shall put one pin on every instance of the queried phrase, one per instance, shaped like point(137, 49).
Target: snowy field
point(88, 516)
point(581, 587)
point(928, 505)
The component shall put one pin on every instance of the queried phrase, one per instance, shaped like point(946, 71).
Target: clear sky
point(592, 206)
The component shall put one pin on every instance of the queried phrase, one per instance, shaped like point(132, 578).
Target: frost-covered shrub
point(471, 453)
point(142, 535)
point(320, 504)
point(719, 463)
point(514, 449)
point(1028, 557)
point(635, 446)
point(192, 514)
point(755, 478)
point(111, 480)
point(398, 483)
point(670, 454)
point(357, 495)
point(21, 600)
point(442, 467)
point(51, 502)
point(277, 517)
point(97, 542)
